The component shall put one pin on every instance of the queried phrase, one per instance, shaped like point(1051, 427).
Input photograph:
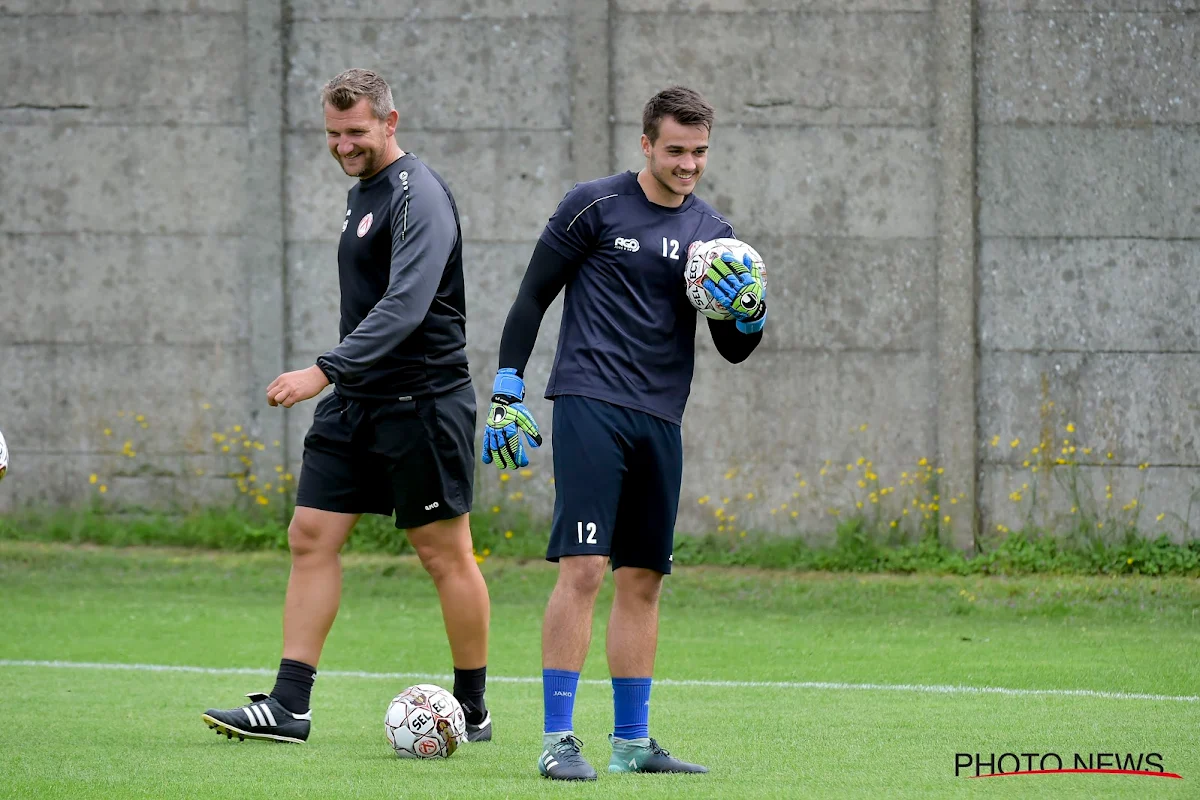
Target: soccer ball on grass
point(700, 258)
point(425, 721)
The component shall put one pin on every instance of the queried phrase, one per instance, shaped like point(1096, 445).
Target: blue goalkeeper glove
point(506, 419)
point(739, 287)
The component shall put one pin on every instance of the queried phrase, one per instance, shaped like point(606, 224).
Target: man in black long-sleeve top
point(397, 432)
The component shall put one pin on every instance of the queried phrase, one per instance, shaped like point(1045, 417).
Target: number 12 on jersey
point(591, 532)
point(671, 248)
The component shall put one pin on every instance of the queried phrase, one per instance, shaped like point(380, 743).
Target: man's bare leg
point(445, 550)
point(314, 589)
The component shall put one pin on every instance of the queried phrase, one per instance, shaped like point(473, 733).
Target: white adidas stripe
point(266, 709)
point(813, 685)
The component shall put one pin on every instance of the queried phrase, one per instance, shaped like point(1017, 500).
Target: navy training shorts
point(617, 475)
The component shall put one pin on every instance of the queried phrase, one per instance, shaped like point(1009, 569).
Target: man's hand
point(739, 287)
point(506, 419)
point(295, 387)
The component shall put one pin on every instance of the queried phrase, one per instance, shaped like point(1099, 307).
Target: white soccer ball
point(425, 721)
point(700, 258)
point(3, 457)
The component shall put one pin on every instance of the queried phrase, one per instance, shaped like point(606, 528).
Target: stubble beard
point(662, 176)
point(369, 161)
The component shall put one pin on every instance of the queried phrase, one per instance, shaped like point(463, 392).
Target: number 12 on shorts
point(591, 532)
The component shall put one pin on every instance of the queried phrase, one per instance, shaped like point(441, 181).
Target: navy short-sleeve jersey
point(628, 332)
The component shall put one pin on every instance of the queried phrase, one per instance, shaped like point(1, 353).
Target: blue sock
point(631, 708)
point(558, 698)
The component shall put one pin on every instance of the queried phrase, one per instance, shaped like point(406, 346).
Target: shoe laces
point(570, 741)
point(654, 748)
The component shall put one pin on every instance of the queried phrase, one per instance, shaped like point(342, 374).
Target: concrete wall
point(955, 202)
point(1089, 285)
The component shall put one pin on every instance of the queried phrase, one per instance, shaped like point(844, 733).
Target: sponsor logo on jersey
point(346, 221)
point(630, 245)
point(365, 225)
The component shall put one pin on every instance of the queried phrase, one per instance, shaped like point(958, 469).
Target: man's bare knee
point(582, 576)
point(640, 585)
point(318, 533)
point(444, 547)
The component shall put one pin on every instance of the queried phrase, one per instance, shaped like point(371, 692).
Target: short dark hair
point(343, 91)
point(686, 106)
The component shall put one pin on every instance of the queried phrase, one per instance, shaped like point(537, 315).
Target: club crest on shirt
point(365, 225)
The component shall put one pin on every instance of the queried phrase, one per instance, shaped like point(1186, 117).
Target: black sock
point(468, 689)
point(293, 685)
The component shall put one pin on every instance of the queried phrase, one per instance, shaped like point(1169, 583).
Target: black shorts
point(414, 457)
point(617, 474)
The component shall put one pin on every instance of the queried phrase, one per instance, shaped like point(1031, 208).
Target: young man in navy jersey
point(397, 433)
point(621, 378)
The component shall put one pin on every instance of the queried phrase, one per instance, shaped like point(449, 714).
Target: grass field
point(854, 674)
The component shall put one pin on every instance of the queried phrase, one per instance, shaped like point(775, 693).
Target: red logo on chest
point(365, 225)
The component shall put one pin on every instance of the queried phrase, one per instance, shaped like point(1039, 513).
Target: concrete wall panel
point(124, 69)
point(1089, 294)
point(1165, 491)
point(795, 68)
point(50, 8)
point(834, 294)
point(124, 289)
point(1084, 182)
point(421, 11)
point(507, 73)
point(1140, 406)
point(156, 180)
point(1068, 67)
point(751, 8)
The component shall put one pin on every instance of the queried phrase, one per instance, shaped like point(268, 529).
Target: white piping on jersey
point(589, 205)
point(718, 219)
point(404, 224)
